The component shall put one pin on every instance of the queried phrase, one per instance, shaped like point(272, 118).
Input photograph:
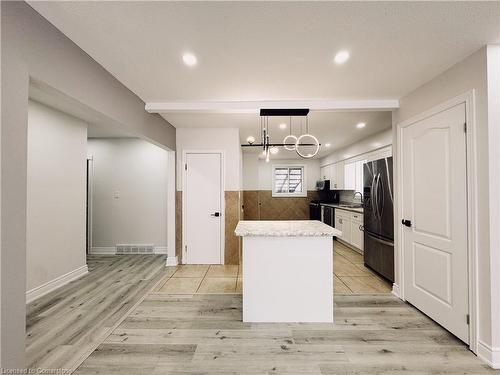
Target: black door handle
point(406, 223)
point(215, 214)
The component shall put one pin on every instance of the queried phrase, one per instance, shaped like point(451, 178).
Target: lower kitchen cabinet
point(351, 225)
point(357, 238)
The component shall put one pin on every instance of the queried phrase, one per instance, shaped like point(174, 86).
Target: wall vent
point(134, 249)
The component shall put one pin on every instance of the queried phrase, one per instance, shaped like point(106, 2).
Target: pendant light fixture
point(307, 136)
point(290, 140)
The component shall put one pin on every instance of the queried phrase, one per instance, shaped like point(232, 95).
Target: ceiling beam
point(255, 106)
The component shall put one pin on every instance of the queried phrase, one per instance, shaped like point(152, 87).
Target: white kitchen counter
point(287, 271)
point(292, 228)
point(340, 207)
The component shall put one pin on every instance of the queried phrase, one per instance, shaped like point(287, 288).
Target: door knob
point(215, 214)
point(406, 223)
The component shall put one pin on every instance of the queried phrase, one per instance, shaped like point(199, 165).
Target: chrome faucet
point(360, 196)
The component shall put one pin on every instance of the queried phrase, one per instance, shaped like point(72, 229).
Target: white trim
point(89, 196)
point(222, 200)
point(395, 290)
point(302, 194)
point(472, 215)
point(255, 106)
point(171, 181)
point(489, 355)
point(160, 250)
point(172, 261)
point(103, 250)
point(56, 283)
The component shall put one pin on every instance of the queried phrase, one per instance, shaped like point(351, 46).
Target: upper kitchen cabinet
point(325, 173)
point(354, 175)
point(337, 175)
point(350, 175)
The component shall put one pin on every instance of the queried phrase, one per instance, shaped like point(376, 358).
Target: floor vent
point(134, 249)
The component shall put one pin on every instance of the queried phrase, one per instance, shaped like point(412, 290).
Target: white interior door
point(203, 216)
point(434, 195)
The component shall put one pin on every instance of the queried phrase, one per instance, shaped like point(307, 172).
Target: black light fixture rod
point(277, 144)
point(284, 111)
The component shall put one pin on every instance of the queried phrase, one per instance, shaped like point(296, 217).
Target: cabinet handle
point(340, 221)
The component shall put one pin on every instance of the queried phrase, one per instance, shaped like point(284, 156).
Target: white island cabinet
point(287, 271)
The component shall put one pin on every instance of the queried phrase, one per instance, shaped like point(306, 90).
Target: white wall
point(34, 48)
point(56, 195)
point(469, 74)
point(257, 174)
point(129, 192)
point(226, 140)
point(368, 144)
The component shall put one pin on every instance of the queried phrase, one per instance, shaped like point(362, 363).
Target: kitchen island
point(287, 271)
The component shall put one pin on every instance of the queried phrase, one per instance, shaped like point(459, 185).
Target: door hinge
point(185, 167)
point(467, 318)
point(465, 127)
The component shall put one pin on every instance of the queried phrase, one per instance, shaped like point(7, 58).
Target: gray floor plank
point(64, 326)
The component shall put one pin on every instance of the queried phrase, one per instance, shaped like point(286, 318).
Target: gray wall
point(32, 47)
point(57, 153)
point(129, 192)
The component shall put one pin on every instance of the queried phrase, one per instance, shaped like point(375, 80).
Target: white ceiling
point(276, 51)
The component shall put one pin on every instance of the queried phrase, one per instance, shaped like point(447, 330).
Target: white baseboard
point(489, 355)
point(395, 290)
point(110, 250)
point(58, 282)
point(160, 249)
point(172, 261)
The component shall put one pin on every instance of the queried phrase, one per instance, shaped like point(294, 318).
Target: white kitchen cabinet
point(325, 172)
point(353, 175)
point(350, 224)
point(357, 237)
point(344, 219)
point(337, 176)
point(350, 175)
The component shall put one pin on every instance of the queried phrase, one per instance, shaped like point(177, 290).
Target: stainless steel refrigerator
point(378, 194)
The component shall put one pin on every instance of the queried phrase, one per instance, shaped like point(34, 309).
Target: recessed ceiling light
point(361, 125)
point(282, 125)
point(189, 59)
point(341, 57)
point(327, 144)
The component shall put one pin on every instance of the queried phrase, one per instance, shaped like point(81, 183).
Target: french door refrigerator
point(378, 194)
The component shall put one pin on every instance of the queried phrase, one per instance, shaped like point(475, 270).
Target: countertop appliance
point(378, 194)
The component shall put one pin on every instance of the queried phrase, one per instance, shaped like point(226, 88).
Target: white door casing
point(434, 198)
point(202, 213)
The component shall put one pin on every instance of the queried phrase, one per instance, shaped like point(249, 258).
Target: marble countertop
point(293, 228)
point(335, 205)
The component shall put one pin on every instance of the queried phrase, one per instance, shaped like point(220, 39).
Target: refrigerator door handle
point(380, 187)
point(384, 242)
point(372, 196)
point(375, 195)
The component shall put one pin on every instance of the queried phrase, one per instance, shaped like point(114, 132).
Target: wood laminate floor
point(65, 326)
point(350, 277)
point(204, 334)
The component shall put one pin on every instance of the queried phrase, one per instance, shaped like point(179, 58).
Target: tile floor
point(350, 277)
